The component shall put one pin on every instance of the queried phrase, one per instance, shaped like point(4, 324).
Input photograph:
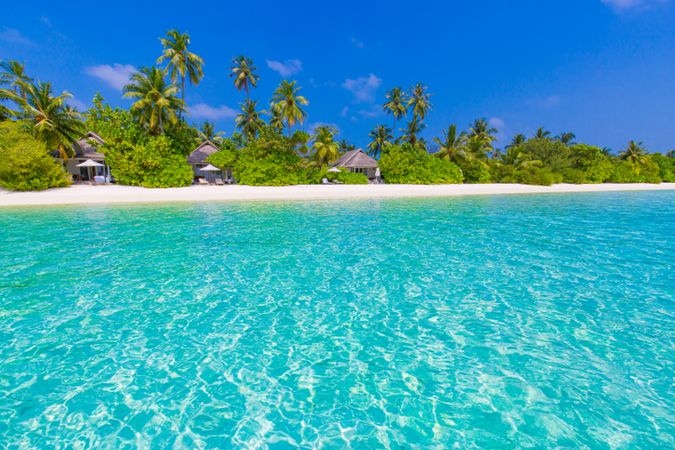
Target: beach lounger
point(325, 181)
point(219, 182)
point(202, 181)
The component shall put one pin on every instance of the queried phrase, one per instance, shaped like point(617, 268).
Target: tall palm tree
point(517, 140)
point(55, 123)
point(412, 131)
point(156, 102)
point(249, 120)
point(381, 137)
point(208, 133)
point(419, 101)
point(345, 146)
point(243, 73)
point(567, 138)
point(289, 103)
point(326, 150)
point(635, 153)
point(181, 62)
point(451, 147)
point(542, 134)
point(396, 104)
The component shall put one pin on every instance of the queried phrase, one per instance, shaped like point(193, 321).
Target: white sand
point(81, 194)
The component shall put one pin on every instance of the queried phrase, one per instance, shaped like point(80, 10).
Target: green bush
point(346, 177)
point(223, 159)
point(592, 162)
point(629, 172)
point(152, 163)
point(134, 157)
point(475, 171)
point(407, 164)
point(574, 176)
point(25, 164)
point(542, 176)
point(666, 167)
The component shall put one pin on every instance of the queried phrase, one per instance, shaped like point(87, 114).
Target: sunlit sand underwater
point(487, 322)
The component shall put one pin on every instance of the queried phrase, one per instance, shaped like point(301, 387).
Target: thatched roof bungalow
point(197, 159)
point(358, 161)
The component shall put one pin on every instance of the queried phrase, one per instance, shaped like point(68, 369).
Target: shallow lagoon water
point(486, 322)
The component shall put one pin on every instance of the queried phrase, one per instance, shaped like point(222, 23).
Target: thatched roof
point(86, 146)
point(205, 149)
point(356, 159)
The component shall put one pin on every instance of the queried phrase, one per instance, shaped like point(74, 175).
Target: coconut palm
point(397, 104)
point(208, 133)
point(635, 153)
point(13, 75)
point(419, 101)
point(55, 123)
point(381, 137)
point(566, 138)
point(181, 62)
point(243, 73)
point(480, 138)
point(412, 131)
point(542, 133)
point(289, 104)
point(517, 140)
point(299, 140)
point(275, 121)
point(249, 120)
point(156, 102)
point(451, 147)
point(345, 146)
point(326, 150)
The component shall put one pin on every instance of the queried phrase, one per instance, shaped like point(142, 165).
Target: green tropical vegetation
point(148, 143)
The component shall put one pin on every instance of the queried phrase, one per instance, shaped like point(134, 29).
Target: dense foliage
point(409, 164)
point(345, 177)
point(137, 158)
point(25, 164)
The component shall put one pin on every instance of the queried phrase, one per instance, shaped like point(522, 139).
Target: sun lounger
point(202, 181)
point(219, 182)
point(325, 181)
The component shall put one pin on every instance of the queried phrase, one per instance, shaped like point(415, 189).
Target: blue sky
point(604, 69)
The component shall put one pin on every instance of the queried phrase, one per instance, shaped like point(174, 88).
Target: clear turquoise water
point(529, 321)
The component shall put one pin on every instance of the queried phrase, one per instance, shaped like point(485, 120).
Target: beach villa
point(88, 162)
point(197, 159)
point(357, 161)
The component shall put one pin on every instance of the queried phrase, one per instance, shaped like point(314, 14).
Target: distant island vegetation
point(147, 145)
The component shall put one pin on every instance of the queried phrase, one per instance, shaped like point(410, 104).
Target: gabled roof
point(86, 146)
point(205, 149)
point(356, 159)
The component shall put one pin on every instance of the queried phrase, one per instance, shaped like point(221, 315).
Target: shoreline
point(117, 194)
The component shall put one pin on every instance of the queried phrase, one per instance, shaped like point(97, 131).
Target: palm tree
point(249, 120)
point(480, 138)
point(345, 146)
point(156, 102)
point(289, 104)
point(451, 147)
point(412, 131)
point(566, 138)
point(517, 140)
point(419, 101)
point(671, 154)
point(299, 140)
point(208, 133)
point(635, 153)
point(14, 75)
point(541, 133)
point(397, 104)
point(181, 62)
point(55, 123)
point(325, 148)
point(243, 73)
point(381, 137)
point(276, 121)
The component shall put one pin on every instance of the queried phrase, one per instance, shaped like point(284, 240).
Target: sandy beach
point(111, 194)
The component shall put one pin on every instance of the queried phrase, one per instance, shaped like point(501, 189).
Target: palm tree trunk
point(182, 96)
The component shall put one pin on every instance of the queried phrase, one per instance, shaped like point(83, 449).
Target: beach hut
point(197, 159)
point(90, 166)
point(86, 149)
point(357, 161)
